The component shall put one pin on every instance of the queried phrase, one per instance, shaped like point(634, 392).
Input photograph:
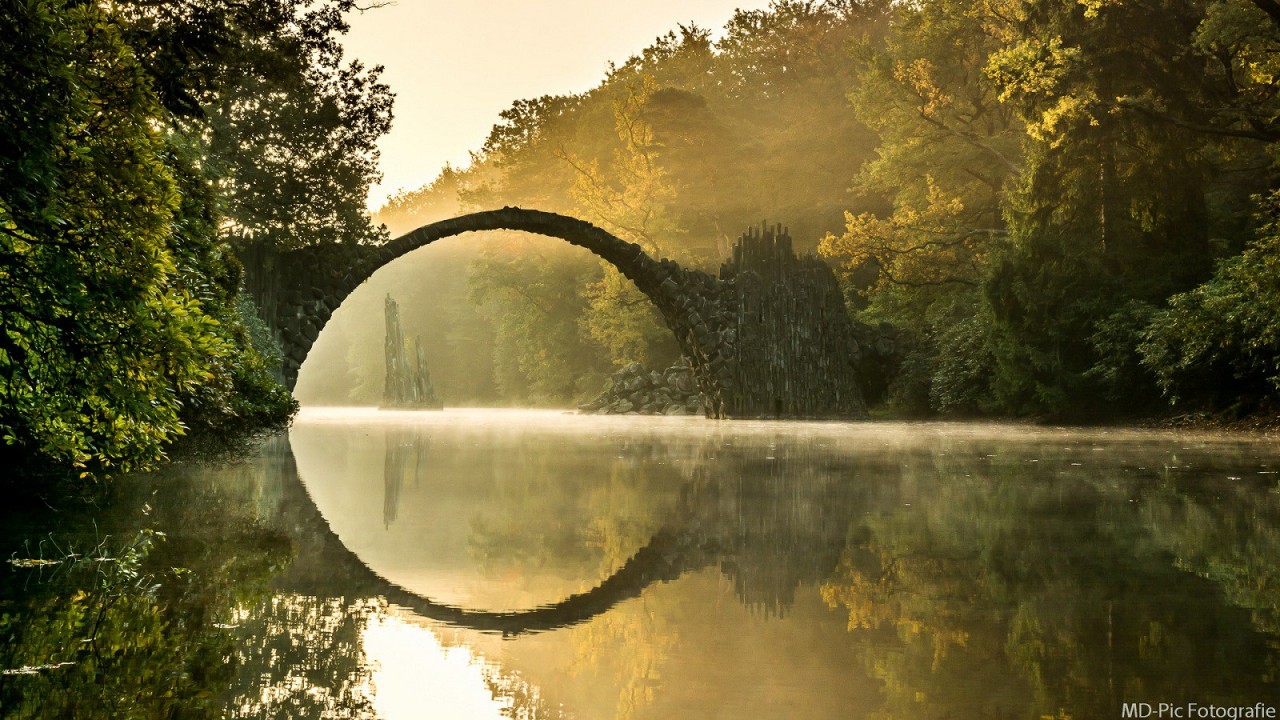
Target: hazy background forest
point(1048, 209)
point(1054, 209)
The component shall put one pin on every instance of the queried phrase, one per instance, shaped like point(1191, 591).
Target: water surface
point(535, 564)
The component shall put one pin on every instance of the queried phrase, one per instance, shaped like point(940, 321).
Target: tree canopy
point(1032, 199)
point(1059, 209)
point(139, 143)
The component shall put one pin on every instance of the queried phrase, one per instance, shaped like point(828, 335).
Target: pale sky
point(455, 64)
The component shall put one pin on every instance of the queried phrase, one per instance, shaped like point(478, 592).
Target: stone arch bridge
point(769, 337)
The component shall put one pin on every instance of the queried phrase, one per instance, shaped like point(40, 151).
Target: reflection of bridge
point(324, 566)
point(769, 337)
point(767, 532)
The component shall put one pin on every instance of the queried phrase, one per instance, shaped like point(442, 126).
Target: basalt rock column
point(408, 382)
point(794, 351)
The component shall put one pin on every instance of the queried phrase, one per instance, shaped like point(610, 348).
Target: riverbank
point(1263, 423)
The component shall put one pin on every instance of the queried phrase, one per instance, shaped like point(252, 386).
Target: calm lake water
point(490, 564)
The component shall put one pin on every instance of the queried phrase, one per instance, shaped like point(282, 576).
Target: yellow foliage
point(928, 245)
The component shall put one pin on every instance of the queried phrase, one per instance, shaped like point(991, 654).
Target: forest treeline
point(1052, 208)
point(140, 142)
point(1059, 208)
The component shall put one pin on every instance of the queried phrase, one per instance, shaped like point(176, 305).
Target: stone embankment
point(636, 391)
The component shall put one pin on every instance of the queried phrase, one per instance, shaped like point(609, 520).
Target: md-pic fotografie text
point(1193, 710)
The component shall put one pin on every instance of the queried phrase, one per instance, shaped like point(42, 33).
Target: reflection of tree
point(524, 701)
point(139, 629)
point(1228, 532)
point(1042, 590)
point(209, 640)
point(774, 517)
point(301, 657)
point(631, 645)
point(99, 642)
point(972, 585)
point(979, 578)
point(778, 514)
point(552, 515)
point(595, 525)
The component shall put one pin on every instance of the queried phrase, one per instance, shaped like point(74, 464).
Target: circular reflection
point(485, 509)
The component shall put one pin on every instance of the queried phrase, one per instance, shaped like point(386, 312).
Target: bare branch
point(1260, 134)
point(974, 141)
point(362, 9)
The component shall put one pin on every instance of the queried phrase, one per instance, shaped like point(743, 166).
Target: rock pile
point(635, 391)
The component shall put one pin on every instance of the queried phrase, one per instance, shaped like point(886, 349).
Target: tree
point(949, 151)
point(100, 336)
point(1218, 344)
point(288, 127)
point(122, 324)
point(678, 148)
point(1056, 171)
point(629, 199)
point(532, 289)
point(1113, 205)
point(297, 156)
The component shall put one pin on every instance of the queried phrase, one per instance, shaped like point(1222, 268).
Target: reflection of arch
point(298, 291)
point(666, 557)
point(324, 566)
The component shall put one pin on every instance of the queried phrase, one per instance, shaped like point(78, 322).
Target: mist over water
point(843, 570)
point(485, 563)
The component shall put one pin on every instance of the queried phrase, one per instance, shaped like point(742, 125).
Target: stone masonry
point(768, 338)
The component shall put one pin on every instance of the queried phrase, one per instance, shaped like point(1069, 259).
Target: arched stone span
point(769, 337)
point(298, 291)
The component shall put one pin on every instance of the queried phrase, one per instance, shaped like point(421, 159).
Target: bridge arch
point(298, 291)
point(324, 565)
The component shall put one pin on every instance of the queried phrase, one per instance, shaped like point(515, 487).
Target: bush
point(1218, 345)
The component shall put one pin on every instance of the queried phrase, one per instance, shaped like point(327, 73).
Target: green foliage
point(1219, 344)
point(122, 328)
point(1111, 211)
point(944, 361)
point(299, 154)
point(1011, 186)
point(240, 394)
point(948, 152)
point(629, 197)
point(101, 333)
point(107, 644)
point(1044, 297)
point(138, 622)
point(622, 320)
point(524, 286)
point(1118, 365)
point(1077, 165)
point(961, 379)
point(287, 127)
